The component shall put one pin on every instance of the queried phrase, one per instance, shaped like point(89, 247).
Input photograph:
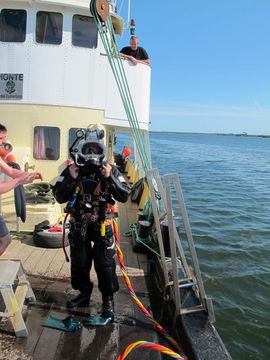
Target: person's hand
point(37, 176)
point(25, 178)
point(134, 60)
point(74, 171)
point(111, 247)
point(107, 169)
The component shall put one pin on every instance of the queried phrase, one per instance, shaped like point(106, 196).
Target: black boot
point(82, 300)
point(108, 307)
point(107, 314)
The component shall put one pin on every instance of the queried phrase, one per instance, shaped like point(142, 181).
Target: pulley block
point(101, 7)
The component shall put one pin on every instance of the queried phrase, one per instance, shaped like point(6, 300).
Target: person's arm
point(144, 57)
point(128, 57)
point(66, 184)
point(134, 60)
point(117, 184)
point(24, 178)
point(125, 54)
point(146, 61)
point(18, 177)
point(8, 170)
point(15, 173)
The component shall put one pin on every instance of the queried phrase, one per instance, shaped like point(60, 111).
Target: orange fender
point(126, 152)
point(6, 156)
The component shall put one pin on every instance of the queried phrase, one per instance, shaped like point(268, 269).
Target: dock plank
point(12, 251)
point(81, 344)
point(34, 319)
point(64, 272)
point(130, 258)
point(43, 265)
point(109, 342)
point(56, 264)
point(143, 262)
point(24, 252)
point(134, 325)
point(124, 311)
point(47, 344)
point(12, 243)
point(127, 215)
point(31, 263)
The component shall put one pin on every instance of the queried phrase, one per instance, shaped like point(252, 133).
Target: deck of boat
point(50, 279)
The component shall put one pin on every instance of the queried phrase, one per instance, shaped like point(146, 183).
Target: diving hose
point(149, 345)
point(69, 205)
point(156, 325)
point(63, 237)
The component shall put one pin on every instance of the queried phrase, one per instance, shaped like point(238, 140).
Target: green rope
point(133, 228)
point(107, 35)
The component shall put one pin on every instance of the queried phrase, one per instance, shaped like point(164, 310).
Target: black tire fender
point(137, 190)
point(51, 240)
point(20, 206)
point(19, 196)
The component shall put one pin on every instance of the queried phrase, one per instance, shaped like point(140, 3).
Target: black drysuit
point(89, 209)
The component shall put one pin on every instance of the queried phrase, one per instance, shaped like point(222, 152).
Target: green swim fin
point(94, 320)
point(68, 324)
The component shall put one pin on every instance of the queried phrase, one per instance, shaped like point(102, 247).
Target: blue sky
point(210, 63)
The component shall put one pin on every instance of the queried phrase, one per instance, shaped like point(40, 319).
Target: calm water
point(226, 185)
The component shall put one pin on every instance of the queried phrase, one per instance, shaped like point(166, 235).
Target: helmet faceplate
point(88, 150)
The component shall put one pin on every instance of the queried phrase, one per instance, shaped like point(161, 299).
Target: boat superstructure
point(55, 78)
point(54, 73)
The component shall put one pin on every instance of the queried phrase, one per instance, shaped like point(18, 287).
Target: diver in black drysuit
point(91, 190)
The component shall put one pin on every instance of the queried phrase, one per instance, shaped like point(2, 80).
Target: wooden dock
point(49, 276)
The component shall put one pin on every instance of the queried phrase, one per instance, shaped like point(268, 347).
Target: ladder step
point(187, 285)
point(191, 310)
point(187, 282)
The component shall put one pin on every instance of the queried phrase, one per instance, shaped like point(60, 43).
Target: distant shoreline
point(197, 133)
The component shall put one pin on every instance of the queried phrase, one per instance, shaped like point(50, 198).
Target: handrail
point(178, 258)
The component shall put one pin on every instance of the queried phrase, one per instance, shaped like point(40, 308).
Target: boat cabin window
point(49, 28)
point(46, 143)
point(12, 25)
point(84, 32)
point(72, 136)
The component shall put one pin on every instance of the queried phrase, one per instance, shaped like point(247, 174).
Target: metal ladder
point(11, 274)
point(183, 275)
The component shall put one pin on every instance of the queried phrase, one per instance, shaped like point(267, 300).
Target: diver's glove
point(74, 171)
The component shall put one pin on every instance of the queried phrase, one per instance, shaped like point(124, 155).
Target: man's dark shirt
point(139, 53)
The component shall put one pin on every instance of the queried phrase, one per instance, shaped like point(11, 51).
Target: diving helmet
point(88, 150)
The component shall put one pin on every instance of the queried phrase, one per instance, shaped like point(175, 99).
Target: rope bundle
point(106, 32)
point(149, 316)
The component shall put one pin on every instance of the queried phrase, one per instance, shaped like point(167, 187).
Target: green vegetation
point(244, 134)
